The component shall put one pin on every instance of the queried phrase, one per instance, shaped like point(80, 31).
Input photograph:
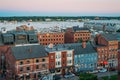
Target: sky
point(59, 8)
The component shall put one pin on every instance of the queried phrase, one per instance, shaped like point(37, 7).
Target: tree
point(87, 76)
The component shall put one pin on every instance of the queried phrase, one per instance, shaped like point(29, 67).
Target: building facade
point(108, 51)
point(18, 37)
point(119, 64)
point(54, 38)
point(3, 53)
point(85, 57)
point(76, 34)
point(27, 62)
point(61, 59)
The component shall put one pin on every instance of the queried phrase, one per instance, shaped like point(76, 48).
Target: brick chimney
point(83, 44)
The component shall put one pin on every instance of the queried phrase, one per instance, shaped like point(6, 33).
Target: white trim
point(26, 44)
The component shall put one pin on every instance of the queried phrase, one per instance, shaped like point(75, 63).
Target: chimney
point(83, 44)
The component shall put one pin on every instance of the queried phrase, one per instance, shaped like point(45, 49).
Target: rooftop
point(78, 49)
point(57, 47)
point(28, 52)
point(111, 37)
point(77, 28)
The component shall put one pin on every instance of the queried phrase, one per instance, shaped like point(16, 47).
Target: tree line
point(54, 18)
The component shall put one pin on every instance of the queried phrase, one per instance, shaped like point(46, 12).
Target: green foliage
point(114, 77)
point(54, 18)
point(87, 76)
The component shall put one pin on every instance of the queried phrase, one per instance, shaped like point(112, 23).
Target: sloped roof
point(78, 49)
point(27, 52)
point(77, 28)
point(111, 37)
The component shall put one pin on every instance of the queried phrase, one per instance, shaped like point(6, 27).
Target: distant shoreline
point(56, 18)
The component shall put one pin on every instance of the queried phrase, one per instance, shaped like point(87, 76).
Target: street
point(98, 74)
point(106, 74)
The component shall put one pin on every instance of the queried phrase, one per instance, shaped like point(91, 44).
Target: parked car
point(68, 75)
point(57, 77)
point(103, 70)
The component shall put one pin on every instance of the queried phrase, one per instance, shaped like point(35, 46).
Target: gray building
point(85, 56)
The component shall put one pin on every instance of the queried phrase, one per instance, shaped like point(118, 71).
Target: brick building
point(107, 48)
point(61, 59)
point(3, 50)
point(119, 64)
point(26, 62)
point(24, 27)
point(3, 53)
point(54, 38)
point(76, 34)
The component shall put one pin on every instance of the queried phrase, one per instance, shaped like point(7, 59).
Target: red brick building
point(3, 53)
point(61, 59)
point(54, 38)
point(107, 50)
point(24, 27)
point(27, 62)
point(76, 34)
point(119, 64)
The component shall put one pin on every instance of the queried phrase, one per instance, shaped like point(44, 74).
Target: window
point(69, 61)
point(28, 68)
point(37, 66)
point(43, 60)
point(28, 61)
point(21, 68)
point(58, 63)
point(43, 65)
point(58, 56)
point(69, 55)
point(21, 62)
point(37, 60)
